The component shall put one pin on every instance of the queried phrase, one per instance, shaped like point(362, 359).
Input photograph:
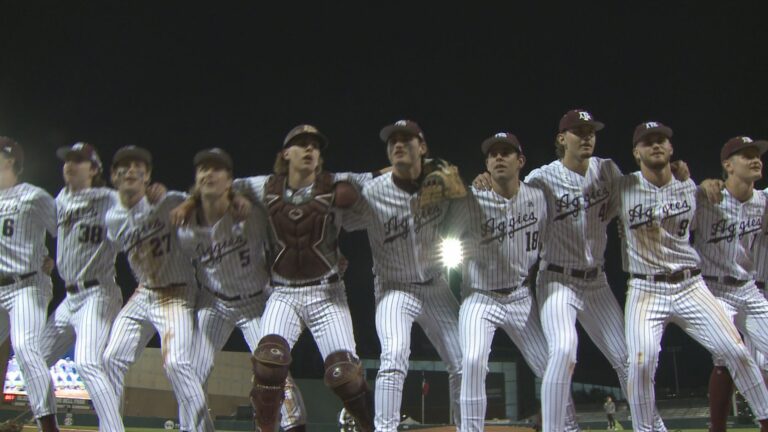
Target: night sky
point(239, 75)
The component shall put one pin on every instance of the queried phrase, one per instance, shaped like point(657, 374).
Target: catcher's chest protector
point(303, 230)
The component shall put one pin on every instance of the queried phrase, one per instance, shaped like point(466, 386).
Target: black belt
point(725, 280)
point(75, 288)
point(508, 291)
point(163, 287)
point(330, 279)
point(7, 280)
point(589, 274)
point(675, 277)
point(760, 285)
point(221, 296)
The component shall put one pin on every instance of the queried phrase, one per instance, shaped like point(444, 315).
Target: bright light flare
point(451, 252)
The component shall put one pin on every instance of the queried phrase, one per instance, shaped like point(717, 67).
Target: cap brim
point(213, 158)
point(133, 154)
point(664, 130)
point(323, 139)
point(387, 131)
point(486, 145)
point(762, 147)
point(595, 124)
point(63, 152)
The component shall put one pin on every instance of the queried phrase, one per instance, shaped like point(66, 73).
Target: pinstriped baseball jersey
point(725, 234)
point(405, 243)
point(656, 222)
point(228, 256)
point(760, 248)
point(26, 213)
point(502, 237)
point(579, 211)
point(83, 251)
point(146, 235)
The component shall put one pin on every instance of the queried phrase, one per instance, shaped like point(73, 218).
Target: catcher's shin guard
point(344, 376)
point(270, 368)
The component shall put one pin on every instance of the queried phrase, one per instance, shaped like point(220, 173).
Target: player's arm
point(44, 209)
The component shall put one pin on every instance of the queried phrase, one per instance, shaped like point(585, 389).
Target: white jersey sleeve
point(579, 210)
point(656, 223)
point(228, 257)
point(503, 237)
point(725, 234)
point(251, 187)
point(145, 234)
point(83, 250)
point(26, 213)
point(404, 240)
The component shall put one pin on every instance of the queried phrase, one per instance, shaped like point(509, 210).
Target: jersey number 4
point(7, 227)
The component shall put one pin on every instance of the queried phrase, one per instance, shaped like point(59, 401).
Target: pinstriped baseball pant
point(216, 319)
point(85, 318)
point(398, 305)
point(562, 300)
point(480, 315)
point(23, 311)
point(170, 311)
point(690, 305)
point(748, 310)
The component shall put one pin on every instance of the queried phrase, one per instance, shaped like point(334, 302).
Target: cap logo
point(215, 150)
point(78, 146)
point(501, 135)
point(583, 115)
point(650, 125)
point(746, 140)
point(401, 123)
point(8, 150)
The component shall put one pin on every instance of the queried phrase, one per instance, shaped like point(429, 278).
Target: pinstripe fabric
point(579, 210)
point(151, 243)
point(409, 288)
point(26, 213)
point(760, 249)
point(656, 223)
point(229, 260)
point(84, 253)
point(501, 242)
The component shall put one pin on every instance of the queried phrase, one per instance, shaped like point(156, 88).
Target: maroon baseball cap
point(646, 128)
point(84, 150)
point(214, 155)
point(504, 138)
point(12, 150)
point(132, 152)
point(305, 129)
point(409, 127)
point(578, 117)
point(738, 143)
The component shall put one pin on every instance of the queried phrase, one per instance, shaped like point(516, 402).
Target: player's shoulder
point(379, 181)
point(532, 191)
point(33, 192)
point(607, 169)
point(544, 171)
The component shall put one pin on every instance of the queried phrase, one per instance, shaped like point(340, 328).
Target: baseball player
point(571, 283)
point(165, 297)
point(409, 283)
point(86, 262)
point(305, 206)
point(228, 256)
point(504, 227)
point(665, 285)
point(26, 213)
point(724, 237)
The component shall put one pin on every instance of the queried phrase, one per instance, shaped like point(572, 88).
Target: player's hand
point(180, 215)
point(156, 192)
point(343, 264)
point(714, 190)
point(680, 170)
point(483, 181)
point(240, 207)
point(48, 264)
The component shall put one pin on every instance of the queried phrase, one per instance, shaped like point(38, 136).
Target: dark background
point(176, 78)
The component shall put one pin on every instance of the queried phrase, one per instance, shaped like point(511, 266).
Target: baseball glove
point(441, 182)
point(10, 426)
